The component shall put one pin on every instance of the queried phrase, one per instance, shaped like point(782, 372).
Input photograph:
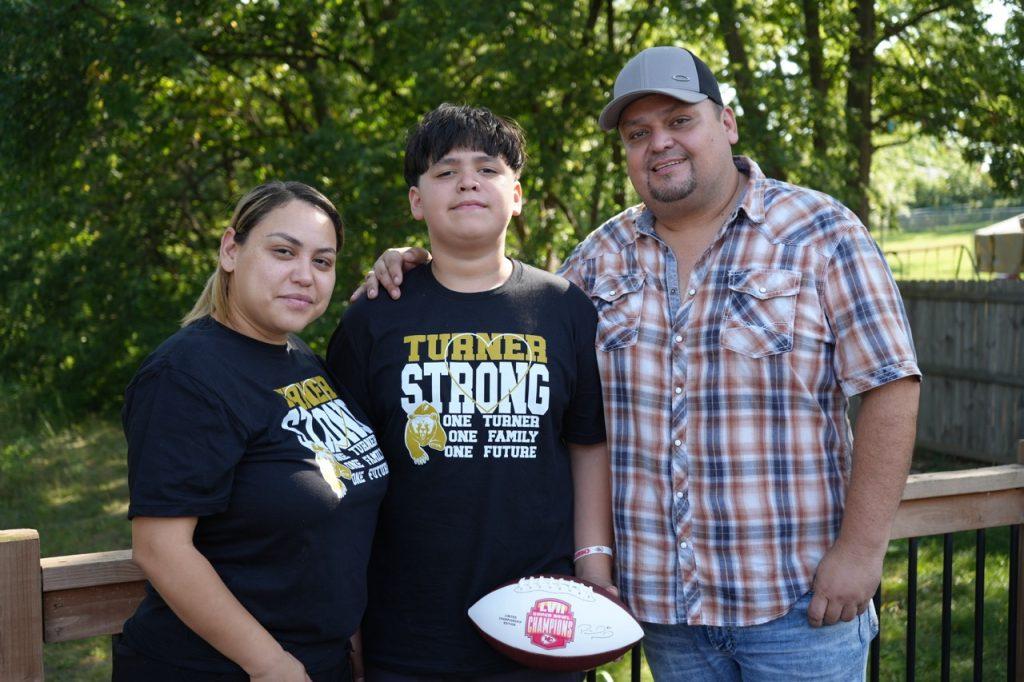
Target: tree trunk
point(816, 74)
point(858, 108)
point(754, 124)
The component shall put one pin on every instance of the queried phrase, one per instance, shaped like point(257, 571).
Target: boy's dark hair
point(452, 126)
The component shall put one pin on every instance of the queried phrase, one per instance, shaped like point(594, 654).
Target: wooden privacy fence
point(970, 345)
point(72, 597)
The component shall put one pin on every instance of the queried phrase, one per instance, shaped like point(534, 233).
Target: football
point(556, 622)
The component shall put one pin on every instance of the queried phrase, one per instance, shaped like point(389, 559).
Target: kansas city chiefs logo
point(550, 624)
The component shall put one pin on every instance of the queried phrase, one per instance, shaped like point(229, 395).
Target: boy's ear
point(228, 250)
point(415, 203)
point(517, 198)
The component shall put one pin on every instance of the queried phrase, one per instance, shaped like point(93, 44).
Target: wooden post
point(21, 606)
point(1020, 584)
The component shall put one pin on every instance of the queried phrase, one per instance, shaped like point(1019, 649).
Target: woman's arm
point(592, 500)
point(163, 548)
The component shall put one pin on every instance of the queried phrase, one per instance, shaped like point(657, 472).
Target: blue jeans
point(786, 648)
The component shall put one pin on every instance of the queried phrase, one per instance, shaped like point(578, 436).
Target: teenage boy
point(482, 384)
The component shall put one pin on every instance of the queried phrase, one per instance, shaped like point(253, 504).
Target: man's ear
point(517, 198)
point(228, 250)
point(415, 203)
point(732, 129)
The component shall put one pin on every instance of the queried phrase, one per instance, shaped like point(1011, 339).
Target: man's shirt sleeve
point(865, 312)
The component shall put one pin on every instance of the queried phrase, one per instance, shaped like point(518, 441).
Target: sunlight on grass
point(941, 253)
point(929, 615)
point(119, 509)
point(71, 485)
point(620, 671)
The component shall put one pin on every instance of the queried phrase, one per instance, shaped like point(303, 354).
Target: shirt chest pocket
point(762, 307)
point(619, 300)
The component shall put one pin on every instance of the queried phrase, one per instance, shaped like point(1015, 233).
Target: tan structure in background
point(999, 248)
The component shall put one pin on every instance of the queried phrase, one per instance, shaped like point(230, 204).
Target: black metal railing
point(946, 637)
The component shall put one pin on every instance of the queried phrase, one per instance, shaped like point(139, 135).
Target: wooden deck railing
point(57, 599)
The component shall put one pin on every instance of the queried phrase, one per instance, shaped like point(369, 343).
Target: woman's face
point(283, 275)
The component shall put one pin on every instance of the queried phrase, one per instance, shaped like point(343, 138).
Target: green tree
point(129, 128)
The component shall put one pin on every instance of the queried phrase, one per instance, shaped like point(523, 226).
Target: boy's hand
point(387, 271)
point(598, 570)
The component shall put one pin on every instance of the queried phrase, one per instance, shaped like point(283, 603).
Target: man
point(737, 315)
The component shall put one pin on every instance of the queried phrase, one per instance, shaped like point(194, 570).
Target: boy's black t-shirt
point(474, 397)
point(284, 475)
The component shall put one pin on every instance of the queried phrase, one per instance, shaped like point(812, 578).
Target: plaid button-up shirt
point(726, 396)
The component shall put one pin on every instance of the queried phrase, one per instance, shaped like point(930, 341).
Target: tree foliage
point(129, 128)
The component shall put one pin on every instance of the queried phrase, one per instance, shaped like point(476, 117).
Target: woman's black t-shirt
point(284, 475)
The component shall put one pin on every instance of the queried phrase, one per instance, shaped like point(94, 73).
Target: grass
point(929, 591)
point(931, 254)
point(70, 484)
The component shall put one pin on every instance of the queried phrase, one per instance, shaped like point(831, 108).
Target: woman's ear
point(228, 250)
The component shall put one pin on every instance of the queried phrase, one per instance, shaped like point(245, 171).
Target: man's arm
point(388, 269)
point(592, 509)
point(851, 569)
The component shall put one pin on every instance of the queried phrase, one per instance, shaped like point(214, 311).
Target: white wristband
point(587, 551)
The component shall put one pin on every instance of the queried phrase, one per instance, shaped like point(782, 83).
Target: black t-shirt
point(284, 475)
point(474, 397)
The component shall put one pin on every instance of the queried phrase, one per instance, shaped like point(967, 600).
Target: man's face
point(466, 198)
point(677, 151)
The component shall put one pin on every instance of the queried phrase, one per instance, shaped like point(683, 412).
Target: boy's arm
point(387, 271)
point(592, 509)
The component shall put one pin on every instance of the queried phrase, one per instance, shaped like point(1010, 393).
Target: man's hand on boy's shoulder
point(388, 269)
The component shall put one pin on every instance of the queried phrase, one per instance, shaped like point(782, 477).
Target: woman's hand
point(283, 668)
point(358, 671)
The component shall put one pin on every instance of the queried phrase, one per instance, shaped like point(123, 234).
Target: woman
point(254, 482)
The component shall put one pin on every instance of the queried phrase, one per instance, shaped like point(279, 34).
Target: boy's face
point(466, 198)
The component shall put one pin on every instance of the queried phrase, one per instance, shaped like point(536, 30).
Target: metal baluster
point(1011, 641)
point(911, 608)
point(979, 603)
point(876, 643)
point(947, 601)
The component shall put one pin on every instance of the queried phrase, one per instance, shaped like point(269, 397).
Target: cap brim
point(609, 118)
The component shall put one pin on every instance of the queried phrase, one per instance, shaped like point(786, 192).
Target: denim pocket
point(762, 307)
point(868, 624)
point(619, 300)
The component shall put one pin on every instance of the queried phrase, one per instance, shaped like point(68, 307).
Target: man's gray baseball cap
point(672, 71)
